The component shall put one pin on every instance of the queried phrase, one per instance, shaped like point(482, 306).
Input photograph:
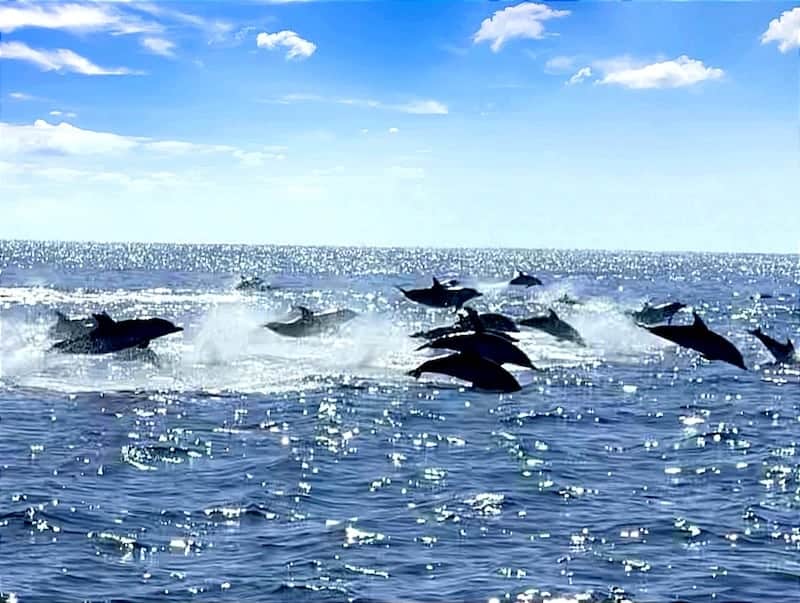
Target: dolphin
point(525, 280)
point(69, 328)
point(482, 373)
point(496, 323)
point(253, 283)
point(488, 320)
point(650, 315)
point(484, 344)
point(568, 301)
point(700, 338)
point(309, 323)
point(439, 296)
point(113, 336)
point(783, 353)
point(553, 325)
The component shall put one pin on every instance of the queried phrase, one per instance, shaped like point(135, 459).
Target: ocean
point(251, 467)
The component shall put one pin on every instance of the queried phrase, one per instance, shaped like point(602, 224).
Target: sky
point(603, 125)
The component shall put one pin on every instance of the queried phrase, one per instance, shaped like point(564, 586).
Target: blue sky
point(636, 125)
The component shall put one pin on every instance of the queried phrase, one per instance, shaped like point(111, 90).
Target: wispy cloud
point(60, 59)
point(216, 30)
point(580, 75)
point(159, 46)
point(414, 107)
point(93, 16)
point(675, 73)
point(67, 114)
point(23, 96)
point(785, 30)
point(297, 47)
point(524, 20)
point(43, 138)
point(559, 65)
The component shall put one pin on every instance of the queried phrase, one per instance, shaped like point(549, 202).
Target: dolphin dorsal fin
point(551, 314)
point(437, 284)
point(698, 322)
point(61, 317)
point(305, 313)
point(475, 320)
point(103, 320)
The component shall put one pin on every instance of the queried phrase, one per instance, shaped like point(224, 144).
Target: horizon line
point(394, 247)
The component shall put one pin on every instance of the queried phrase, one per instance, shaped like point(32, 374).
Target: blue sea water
point(248, 467)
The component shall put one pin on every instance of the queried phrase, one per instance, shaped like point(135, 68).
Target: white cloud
point(785, 30)
point(298, 48)
point(56, 113)
point(21, 96)
point(160, 46)
point(416, 107)
point(393, 130)
point(560, 64)
point(426, 107)
point(524, 20)
point(580, 75)
point(43, 138)
point(676, 73)
point(57, 60)
point(72, 17)
point(216, 30)
point(63, 139)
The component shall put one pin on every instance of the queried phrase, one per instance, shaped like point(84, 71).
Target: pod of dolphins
point(477, 344)
point(482, 345)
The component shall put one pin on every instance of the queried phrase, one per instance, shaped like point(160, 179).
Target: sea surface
point(250, 467)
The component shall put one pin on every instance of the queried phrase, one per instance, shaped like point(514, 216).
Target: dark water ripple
point(252, 469)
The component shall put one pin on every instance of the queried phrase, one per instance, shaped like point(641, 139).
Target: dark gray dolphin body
point(553, 325)
point(439, 296)
point(309, 323)
point(568, 301)
point(650, 315)
point(783, 353)
point(482, 373)
point(490, 321)
point(69, 328)
point(114, 336)
point(253, 283)
point(524, 280)
point(700, 338)
point(484, 344)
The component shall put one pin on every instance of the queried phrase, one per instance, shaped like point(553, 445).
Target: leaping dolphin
point(482, 373)
point(69, 328)
point(484, 344)
point(113, 336)
point(554, 326)
point(253, 283)
point(525, 280)
point(783, 353)
point(490, 321)
point(650, 315)
point(439, 296)
point(309, 323)
point(700, 338)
